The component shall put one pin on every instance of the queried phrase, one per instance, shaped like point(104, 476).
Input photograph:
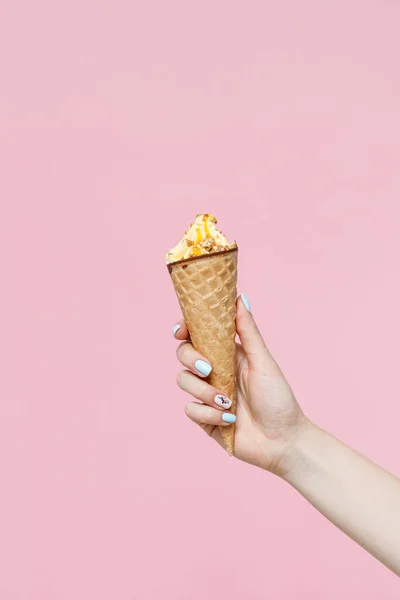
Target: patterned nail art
point(223, 401)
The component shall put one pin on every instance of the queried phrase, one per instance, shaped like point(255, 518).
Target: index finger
point(180, 330)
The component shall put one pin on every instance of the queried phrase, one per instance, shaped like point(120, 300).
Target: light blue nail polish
point(203, 367)
point(175, 328)
point(229, 418)
point(246, 302)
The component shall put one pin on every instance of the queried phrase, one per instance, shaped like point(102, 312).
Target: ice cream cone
point(206, 289)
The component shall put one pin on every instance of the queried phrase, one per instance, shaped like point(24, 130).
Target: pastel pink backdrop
point(119, 122)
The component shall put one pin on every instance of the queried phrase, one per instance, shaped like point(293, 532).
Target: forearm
point(355, 494)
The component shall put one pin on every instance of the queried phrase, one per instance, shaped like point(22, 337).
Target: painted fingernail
point(203, 367)
point(223, 401)
point(175, 328)
point(228, 418)
point(246, 302)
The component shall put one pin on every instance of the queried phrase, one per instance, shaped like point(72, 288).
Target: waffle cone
point(206, 290)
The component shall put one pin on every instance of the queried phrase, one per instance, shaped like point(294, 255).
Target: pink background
point(119, 121)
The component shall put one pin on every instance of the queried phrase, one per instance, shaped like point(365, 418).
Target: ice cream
point(203, 269)
point(201, 238)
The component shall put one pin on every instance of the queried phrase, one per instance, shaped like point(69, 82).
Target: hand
point(271, 432)
point(268, 417)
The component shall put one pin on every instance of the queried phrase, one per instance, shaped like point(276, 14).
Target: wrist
point(297, 451)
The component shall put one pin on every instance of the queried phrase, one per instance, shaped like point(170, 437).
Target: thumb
point(252, 341)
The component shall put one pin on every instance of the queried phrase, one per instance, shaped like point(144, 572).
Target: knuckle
point(181, 350)
point(210, 415)
point(179, 378)
point(183, 380)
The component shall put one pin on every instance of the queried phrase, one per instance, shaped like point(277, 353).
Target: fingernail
point(203, 367)
point(175, 328)
point(223, 401)
point(246, 302)
point(228, 418)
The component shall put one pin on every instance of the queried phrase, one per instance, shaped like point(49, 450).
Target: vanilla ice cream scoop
point(201, 238)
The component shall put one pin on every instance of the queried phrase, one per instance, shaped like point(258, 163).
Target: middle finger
point(193, 360)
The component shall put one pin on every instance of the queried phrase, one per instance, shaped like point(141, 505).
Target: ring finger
point(203, 391)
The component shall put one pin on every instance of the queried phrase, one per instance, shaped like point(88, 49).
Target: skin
point(272, 433)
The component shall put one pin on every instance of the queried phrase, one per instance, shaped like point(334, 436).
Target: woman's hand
point(268, 417)
point(359, 497)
